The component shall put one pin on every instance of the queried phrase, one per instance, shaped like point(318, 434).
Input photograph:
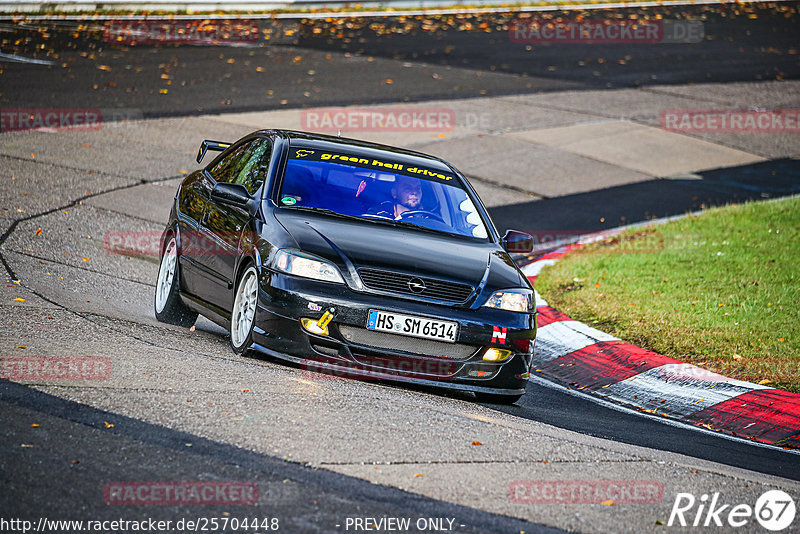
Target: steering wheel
point(421, 213)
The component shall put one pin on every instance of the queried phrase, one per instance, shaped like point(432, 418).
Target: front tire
point(243, 315)
point(168, 305)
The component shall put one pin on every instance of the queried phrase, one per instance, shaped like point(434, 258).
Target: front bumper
point(350, 350)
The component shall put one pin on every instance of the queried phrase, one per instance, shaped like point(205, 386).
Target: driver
point(406, 196)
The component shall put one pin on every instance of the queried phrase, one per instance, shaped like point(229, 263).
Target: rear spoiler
point(207, 145)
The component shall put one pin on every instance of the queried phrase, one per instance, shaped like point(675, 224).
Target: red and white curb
point(588, 360)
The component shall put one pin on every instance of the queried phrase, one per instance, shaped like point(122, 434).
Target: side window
point(224, 170)
point(246, 165)
point(252, 172)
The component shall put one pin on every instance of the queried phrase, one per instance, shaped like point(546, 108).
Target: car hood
point(353, 245)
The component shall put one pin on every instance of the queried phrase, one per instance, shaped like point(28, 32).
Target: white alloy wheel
point(166, 275)
point(244, 309)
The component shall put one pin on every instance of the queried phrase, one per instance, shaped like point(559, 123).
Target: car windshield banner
point(376, 164)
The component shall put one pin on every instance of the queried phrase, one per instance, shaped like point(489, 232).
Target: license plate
point(409, 325)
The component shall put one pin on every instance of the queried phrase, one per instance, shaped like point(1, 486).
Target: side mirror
point(517, 242)
point(207, 145)
point(235, 194)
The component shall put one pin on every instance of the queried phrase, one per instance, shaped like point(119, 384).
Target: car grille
point(425, 347)
point(399, 283)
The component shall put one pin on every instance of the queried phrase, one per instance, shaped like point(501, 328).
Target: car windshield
point(379, 189)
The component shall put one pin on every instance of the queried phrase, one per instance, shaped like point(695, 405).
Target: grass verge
point(720, 290)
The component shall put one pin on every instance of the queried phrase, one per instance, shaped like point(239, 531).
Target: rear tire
point(493, 398)
point(243, 314)
point(168, 305)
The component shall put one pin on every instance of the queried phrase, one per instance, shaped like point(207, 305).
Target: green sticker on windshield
point(289, 201)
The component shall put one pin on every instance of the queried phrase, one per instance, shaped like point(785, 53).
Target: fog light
point(479, 373)
point(496, 355)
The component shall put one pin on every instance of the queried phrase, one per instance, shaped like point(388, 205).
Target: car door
point(226, 226)
point(192, 204)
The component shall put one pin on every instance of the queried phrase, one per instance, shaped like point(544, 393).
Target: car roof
point(357, 147)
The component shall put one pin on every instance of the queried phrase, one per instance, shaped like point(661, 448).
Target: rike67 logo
point(774, 511)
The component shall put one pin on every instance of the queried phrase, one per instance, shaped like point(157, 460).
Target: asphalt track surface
point(66, 471)
point(58, 471)
point(430, 58)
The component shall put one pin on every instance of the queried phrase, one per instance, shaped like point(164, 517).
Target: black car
point(351, 259)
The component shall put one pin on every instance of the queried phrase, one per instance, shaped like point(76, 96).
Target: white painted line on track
point(660, 419)
point(390, 13)
point(21, 59)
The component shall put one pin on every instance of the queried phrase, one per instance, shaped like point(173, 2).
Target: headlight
point(300, 264)
point(519, 300)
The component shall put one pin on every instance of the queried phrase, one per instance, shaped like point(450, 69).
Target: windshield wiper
point(378, 219)
point(408, 224)
point(326, 211)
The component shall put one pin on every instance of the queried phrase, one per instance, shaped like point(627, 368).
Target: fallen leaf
point(85, 259)
point(765, 381)
point(477, 443)
point(108, 425)
point(608, 502)
point(35, 425)
point(18, 299)
point(38, 231)
point(419, 475)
